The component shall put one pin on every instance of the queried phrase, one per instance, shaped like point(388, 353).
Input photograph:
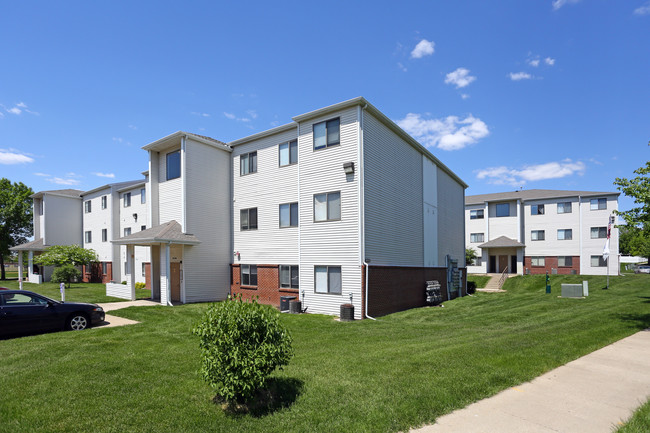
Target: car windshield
point(10, 299)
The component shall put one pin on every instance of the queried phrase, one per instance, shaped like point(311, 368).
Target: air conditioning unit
point(574, 272)
point(527, 271)
point(553, 271)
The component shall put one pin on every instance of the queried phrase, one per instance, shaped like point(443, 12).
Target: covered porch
point(35, 273)
point(168, 245)
point(503, 255)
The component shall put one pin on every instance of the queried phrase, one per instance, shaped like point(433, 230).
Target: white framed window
point(104, 268)
point(476, 214)
point(127, 269)
point(248, 219)
point(173, 165)
point(104, 235)
point(598, 262)
point(538, 261)
point(564, 207)
point(564, 234)
point(327, 206)
point(87, 206)
point(288, 153)
point(88, 237)
point(289, 276)
point(598, 232)
point(327, 279)
point(104, 202)
point(127, 199)
point(478, 261)
point(127, 231)
point(249, 275)
point(248, 163)
point(537, 235)
point(537, 209)
point(327, 134)
point(598, 204)
point(476, 237)
point(565, 261)
point(144, 271)
point(289, 215)
point(503, 209)
point(143, 195)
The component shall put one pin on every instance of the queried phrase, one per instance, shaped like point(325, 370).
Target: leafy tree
point(634, 241)
point(470, 256)
point(16, 221)
point(637, 218)
point(66, 255)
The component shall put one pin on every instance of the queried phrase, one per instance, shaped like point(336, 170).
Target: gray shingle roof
point(168, 232)
point(532, 194)
point(67, 192)
point(35, 245)
point(501, 242)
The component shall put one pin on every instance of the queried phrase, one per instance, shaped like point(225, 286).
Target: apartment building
point(542, 231)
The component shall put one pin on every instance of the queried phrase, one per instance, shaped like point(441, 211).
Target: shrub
point(65, 274)
point(241, 344)
point(140, 285)
point(471, 287)
point(124, 282)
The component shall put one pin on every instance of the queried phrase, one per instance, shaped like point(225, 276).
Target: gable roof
point(35, 245)
point(532, 194)
point(169, 232)
point(75, 193)
point(501, 242)
point(171, 139)
point(124, 184)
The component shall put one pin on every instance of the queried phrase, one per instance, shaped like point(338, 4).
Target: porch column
point(20, 270)
point(30, 264)
point(167, 275)
point(131, 259)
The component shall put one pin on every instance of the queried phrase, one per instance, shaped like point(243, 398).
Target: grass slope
point(639, 422)
point(401, 371)
point(79, 292)
point(480, 280)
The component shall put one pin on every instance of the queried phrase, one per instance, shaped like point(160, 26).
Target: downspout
point(184, 186)
point(580, 229)
point(302, 299)
point(362, 227)
point(167, 276)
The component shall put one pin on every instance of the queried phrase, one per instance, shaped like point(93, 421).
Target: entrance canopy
point(502, 242)
point(35, 245)
point(168, 233)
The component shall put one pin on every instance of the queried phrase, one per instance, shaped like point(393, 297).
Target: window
point(127, 270)
point(143, 195)
point(289, 276)
point(598, 203)
point(144, 272)
point(564, 234)
point(288, 153)
point(127, 231)
point(143, 228)
point(289, 215)
point(537, 235)
point(40, 207)
point(476, 237)
point(248, 219)
point(537, 209)
point(104, 200)
point(564, 207)
point(327, 133)
point(565, 261)
point(476, 214)
point(327, 279)
point(174, 165)
point(248, 163)
point(88, 237)
point(537, 261)
point(104, 235)
point(598, 262)
point(327, 206)
point(104, 268)
point(127, 199)
point(598, 232)
point(87, 206)
point(503, 209)
point(249, 275)
point(478, 261)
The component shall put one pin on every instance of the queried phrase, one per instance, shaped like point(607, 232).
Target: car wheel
point(78, 322)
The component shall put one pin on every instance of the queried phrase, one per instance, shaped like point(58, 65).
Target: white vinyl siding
point(101, 222)
point(477, 237)
point(451, 231)
point(169, 193)
point(62, 220)
point(130, 219)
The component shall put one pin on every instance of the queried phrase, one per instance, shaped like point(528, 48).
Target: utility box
point(284, 302)
point(574, 290)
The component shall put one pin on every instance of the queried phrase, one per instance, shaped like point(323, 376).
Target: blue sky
point(551, 94)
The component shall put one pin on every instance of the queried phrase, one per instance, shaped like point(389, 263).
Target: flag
point(606, 247)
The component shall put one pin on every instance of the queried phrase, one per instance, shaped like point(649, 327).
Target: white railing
point(117, 290)
point(503, 278)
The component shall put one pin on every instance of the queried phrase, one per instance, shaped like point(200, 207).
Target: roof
point(500, 242)
point(74, 193)
point(532, 194)
point(276, 130)
point(35, 245)
point(169, 232)
point(124, 184)
point(171, 139)
point(137, 184)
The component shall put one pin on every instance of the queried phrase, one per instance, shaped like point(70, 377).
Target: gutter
point(362, 228)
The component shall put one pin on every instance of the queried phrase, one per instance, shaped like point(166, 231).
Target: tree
point(637, 218)
point(16, 222)
point(470, 256)
point(634, 241)
point(66, 256)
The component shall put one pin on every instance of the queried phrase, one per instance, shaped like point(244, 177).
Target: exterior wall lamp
point(348, 167)
point(135, 217)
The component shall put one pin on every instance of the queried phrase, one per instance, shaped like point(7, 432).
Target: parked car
point(4, 288)
point(643, 269)
point(23, 312)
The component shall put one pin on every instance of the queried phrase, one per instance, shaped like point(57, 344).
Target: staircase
point(492, 285)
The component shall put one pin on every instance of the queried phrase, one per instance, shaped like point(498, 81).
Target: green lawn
point(480, 280)
point(401, 371)
point(79, 292)
point(640, 421)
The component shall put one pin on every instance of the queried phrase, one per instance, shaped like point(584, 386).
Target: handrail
point(504, 276)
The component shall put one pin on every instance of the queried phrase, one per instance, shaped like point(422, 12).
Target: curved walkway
point(112, 321)
point(595, 393)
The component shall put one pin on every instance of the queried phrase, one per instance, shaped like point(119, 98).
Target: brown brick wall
point(394, 288)
point(93, 274)
point(550, 263)
point(268, 289)
point(147, 276)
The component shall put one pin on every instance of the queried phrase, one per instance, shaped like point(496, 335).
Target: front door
point(493, 265)
point(513, 264)
point(503, 263)
point(175, 281)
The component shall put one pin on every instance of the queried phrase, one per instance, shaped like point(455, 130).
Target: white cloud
point(557, 4)
point(533, 62)
point(464, 95)
point(196, 113)
point(643, 10)
point(109, 175)
point(118, 139)
point(529, 173)
point(42, 174)
point(423, 48)
point(518, 76)
point(14, 110)
point(18, 109)
point(62, 181)
point(12, 156)
point(133, 127)
point(229, 115)
point(252, 114)
point(549, 61)
point(402, 67)
point(450, 133)
point(460, 78)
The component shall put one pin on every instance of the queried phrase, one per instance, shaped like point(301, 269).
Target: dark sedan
point(24, 312)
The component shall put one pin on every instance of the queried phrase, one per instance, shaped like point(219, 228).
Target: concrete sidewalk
point(595, 393)
point(111, 321)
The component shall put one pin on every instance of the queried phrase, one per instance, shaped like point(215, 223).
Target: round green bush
point(241, 344)
point(65, 274)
